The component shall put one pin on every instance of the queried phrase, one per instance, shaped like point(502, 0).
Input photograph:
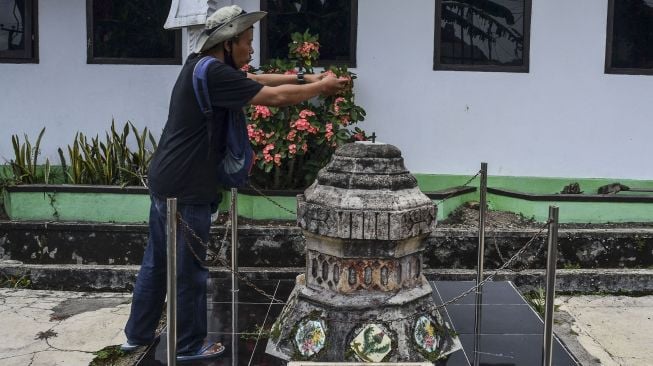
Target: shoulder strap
point(201, 85)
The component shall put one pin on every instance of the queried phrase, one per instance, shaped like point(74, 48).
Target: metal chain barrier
point(189, 231)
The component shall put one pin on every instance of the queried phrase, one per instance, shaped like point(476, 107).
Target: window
point(130, 32)
point(482, 35)
point(334, 20)
point(18, 31)
point(629, 48)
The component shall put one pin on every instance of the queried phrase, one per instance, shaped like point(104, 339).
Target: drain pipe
point(171, 225)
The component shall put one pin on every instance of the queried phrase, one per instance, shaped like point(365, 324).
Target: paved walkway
point(46, 328)
point(616, 330)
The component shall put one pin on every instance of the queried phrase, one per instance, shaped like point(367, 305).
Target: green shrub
point(24, 166)
point(109, 162)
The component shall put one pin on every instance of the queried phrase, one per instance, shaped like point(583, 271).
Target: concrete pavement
point(615, 330)
point(46, 328)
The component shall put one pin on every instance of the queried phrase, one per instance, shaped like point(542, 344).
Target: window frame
point(353, 36)
point(92, 59)
point(524, 68)
point(30, 55)
point(609, 37)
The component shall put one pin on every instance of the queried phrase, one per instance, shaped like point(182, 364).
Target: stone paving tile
point(91, 331)
point(77, 323)
point(63, 358)
point(615, 329)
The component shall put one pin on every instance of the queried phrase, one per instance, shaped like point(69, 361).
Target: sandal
point(130, 347)
point(209, 350)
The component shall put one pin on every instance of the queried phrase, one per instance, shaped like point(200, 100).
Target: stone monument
point(363, 296)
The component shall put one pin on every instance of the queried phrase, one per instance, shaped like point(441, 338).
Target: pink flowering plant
point(305, 49)
point(293, 143)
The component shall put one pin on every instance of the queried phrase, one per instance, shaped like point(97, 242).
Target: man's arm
point(287, 94)
point(278, 79)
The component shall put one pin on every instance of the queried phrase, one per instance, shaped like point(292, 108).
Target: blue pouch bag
point(234, 167)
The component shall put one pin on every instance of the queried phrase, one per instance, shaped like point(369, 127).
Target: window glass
point(16, 30)
point(632, 34)
point(131, 31)
point(482, 33)
point(333, 20)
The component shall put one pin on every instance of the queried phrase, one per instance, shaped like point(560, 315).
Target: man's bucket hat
point(226, 23)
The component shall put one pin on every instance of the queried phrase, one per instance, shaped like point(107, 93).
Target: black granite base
point(510, 331)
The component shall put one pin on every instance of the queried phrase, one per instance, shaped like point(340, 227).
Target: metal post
point(481, 224)
point(477, 327)
point(171, 225)
point(234, 278)
point(482, 208)
point(551, 261)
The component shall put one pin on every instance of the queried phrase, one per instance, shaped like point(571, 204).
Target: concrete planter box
point(575, 208)
point(131, 204)
point(91, 203)
point(77, 203)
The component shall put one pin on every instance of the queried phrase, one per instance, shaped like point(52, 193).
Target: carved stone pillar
point(363, 296)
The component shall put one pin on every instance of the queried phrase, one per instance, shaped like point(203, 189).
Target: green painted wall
point(537, 185)
point(575, 212)
point(94, 207)
point(107, 207)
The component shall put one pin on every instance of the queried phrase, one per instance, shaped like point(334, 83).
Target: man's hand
point(332, 85)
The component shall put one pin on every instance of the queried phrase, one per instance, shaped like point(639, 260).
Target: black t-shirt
point(182, 166)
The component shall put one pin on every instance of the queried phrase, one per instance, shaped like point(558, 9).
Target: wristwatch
point(300, 78)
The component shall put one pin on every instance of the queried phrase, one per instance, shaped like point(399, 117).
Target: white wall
point(564, 118)
point(65, 94)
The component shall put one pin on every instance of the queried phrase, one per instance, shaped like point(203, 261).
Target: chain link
point(217, 259)
point(432, 307)
point(496, 271)
point(455, 193)
point(271, 200)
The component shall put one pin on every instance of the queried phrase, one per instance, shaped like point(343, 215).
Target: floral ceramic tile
point(371, 344)
point(310, 337)
point(425, 334)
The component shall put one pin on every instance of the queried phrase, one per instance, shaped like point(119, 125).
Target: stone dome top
point(369, 166)
point(367, 180)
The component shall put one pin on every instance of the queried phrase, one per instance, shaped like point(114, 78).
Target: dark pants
point(150, 289)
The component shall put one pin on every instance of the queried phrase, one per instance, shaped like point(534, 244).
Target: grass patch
point(537, 299)
point(107, 356)
point(15, 281)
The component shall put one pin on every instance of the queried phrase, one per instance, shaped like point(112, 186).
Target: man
point(185, 166)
